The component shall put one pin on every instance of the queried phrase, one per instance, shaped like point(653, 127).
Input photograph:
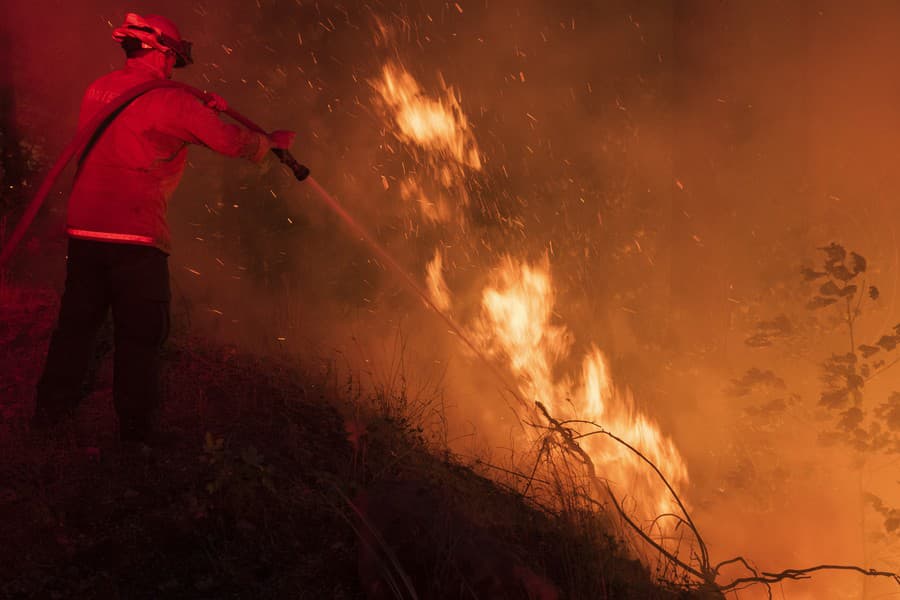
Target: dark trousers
point(134, 281)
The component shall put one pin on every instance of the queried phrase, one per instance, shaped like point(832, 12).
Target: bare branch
point(767, 578)
point(690, 523)
point(643, 534)
point(705, 573)
point(736, 559)
point(570, 436)
point(537, 462)
point(484, 463)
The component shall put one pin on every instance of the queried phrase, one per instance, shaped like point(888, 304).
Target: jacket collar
point(135, 65)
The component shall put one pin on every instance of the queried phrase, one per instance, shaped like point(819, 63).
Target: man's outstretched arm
point(196, 123)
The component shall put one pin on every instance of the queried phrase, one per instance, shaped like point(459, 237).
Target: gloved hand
point(216, 102)
point(282, 139)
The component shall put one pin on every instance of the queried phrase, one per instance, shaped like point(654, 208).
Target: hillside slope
point(260, 494)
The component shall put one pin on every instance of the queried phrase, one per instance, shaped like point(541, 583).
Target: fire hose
point(95, 127)
point(87, 134)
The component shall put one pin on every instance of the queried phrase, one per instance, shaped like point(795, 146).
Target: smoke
point(674, 163)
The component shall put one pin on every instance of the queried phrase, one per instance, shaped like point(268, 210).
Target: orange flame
point(438, 125)
point(438, 132)
point(437, 287)
point(517, 324)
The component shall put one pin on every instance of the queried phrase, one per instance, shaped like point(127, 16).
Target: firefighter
point(119, 239)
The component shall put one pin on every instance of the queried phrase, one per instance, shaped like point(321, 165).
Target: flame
point(441, 140)
point(517, 324)
point(438, 125)
point(601, 402)
point(437, 287)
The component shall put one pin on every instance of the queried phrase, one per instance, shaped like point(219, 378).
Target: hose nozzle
point(301, 172)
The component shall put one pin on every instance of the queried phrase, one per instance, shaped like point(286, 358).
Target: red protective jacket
point(123, 185)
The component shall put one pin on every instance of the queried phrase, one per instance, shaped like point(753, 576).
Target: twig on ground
point(537, 462)
point(704, 562)
point(479, 461)
point(643, 534)
point(766, 577)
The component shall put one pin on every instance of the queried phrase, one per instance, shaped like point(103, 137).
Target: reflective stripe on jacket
point(124, 184)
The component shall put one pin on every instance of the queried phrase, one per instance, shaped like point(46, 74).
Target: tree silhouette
point(864, 427)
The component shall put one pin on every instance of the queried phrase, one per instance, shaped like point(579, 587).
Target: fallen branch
point(484, 463)
point(643, 534)
point(571, 437)
point(537, 462)
point(705, 573)
point(704, 562)
point(766, 577)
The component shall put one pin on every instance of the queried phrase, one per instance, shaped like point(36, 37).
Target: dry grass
point(253, 498)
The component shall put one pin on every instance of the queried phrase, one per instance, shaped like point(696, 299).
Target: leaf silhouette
point(848, 291)
point(890, 412)
point(829, 288)
point(835, 252)
point(892, 523)
point(857, 263)
point(834, 398)
point(841, 272)
point(810, 275)
point(753, 379)
point(820, 302)
point(867, 350)
point(851, 419)
point(846, 359)
point(873, 292)
point(888, 342)
point(769, 331)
